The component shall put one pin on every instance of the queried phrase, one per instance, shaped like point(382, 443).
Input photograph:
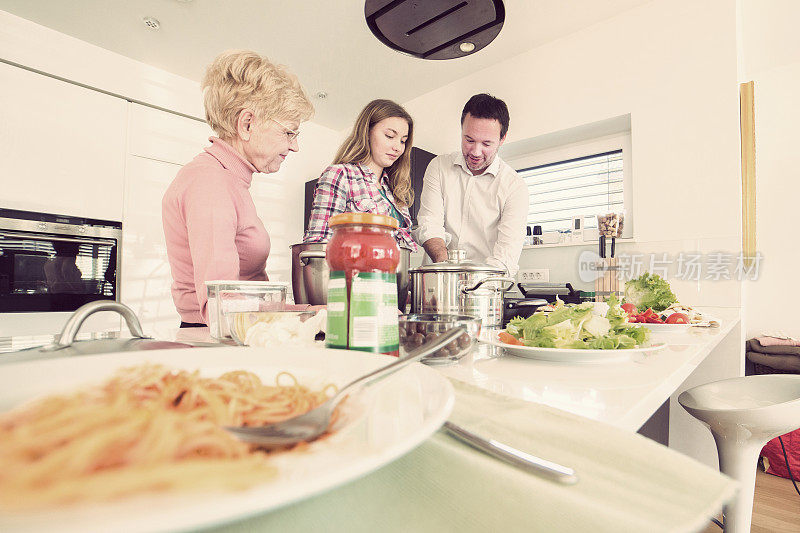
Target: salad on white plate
point(585, 326)
point(649, 300)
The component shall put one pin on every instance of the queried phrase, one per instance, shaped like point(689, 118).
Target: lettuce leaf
point(649, 290)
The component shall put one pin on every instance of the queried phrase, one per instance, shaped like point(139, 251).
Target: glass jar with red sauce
point(362, 291)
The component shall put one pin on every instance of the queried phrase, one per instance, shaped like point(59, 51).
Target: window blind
point(585, 186)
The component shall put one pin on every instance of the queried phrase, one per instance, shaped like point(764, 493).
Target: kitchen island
point(639, 394)
point(626, 482)
point(634, 395)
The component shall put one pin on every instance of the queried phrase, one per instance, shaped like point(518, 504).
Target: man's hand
point(436, 248)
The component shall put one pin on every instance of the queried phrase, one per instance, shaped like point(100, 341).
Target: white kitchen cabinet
point(159, 143)
point(146, 276)
point(163, 136)
point(63, 146)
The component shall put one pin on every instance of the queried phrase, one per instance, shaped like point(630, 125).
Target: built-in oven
point(57, 263)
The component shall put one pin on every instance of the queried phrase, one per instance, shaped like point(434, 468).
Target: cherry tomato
point(629, 308)
point(677, 318)
point(508, 338)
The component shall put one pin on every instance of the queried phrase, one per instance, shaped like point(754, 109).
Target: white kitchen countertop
point(624, 394)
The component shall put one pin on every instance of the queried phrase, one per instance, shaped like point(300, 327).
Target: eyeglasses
point(290, 133)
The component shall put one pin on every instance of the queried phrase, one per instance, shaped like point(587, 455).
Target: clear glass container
point(226, 296)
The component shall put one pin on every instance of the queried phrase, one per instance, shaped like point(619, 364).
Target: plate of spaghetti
point(136, 442)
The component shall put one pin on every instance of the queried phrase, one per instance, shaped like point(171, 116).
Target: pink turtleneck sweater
point(211, 227)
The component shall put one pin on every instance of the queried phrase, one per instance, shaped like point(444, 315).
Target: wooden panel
point(775, 508)
point(748, 135)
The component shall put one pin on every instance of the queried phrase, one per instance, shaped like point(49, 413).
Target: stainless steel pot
point(66, 345)
point(308, 262)
point(310, 274)
point(461, 287)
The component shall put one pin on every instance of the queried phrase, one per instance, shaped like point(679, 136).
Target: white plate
point(398, 414)
point(676, 328)
point(569, 355)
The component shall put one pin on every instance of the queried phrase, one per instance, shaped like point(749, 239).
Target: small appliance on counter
point(535, 295)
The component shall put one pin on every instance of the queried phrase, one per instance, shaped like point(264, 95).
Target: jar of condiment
point(362, 290)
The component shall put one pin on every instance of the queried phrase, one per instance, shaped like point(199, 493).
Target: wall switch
point(534, 274)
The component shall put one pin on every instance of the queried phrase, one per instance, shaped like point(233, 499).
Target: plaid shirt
point(350, 187)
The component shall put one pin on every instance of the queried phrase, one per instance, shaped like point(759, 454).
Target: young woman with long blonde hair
point(371, 173)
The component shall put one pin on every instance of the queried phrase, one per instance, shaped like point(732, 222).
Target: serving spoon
point(310, 425)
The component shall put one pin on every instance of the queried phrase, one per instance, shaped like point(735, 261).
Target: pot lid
point(457, 262)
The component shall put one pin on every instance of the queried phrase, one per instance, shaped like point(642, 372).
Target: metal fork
point(309, 426)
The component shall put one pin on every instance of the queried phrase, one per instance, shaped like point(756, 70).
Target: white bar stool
point(743, 414)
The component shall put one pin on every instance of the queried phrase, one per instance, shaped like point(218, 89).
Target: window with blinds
point(580, 187)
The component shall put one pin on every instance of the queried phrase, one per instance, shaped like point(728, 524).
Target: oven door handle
point(77, 319)
point(35, 237)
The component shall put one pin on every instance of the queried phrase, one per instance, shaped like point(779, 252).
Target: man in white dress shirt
point(472, 200)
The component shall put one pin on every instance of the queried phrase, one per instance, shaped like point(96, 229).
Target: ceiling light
point(466, 47)
point(151, 23)
point(322, 95)
point(435, 29)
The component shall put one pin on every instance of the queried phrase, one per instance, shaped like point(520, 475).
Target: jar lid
point(363, 218)
point(456, 262)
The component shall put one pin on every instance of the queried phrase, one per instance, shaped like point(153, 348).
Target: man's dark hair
point(487, 106)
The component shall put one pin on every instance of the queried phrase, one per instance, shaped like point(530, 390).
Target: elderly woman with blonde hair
point(211, 226)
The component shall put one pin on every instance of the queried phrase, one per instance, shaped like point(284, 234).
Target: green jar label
point(336, 333)
point(373, 312)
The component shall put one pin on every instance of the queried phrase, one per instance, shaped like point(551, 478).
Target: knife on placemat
point(513, 456)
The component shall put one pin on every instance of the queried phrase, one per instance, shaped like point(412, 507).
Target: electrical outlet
point(534, 274)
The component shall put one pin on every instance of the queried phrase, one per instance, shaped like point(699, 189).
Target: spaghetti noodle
point(147, 428)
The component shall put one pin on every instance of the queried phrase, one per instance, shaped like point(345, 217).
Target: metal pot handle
point(310, 254)
point(501, 279)
point(77, 319)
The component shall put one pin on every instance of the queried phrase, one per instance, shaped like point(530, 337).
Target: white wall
point(671, 65)
point(770, 47)
point(279, 197)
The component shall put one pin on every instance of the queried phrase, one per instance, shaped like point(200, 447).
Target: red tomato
point(677, 318)
point(508, 338)
point(629, 308)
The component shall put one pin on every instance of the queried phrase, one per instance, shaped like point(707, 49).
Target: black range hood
point(435, 29)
